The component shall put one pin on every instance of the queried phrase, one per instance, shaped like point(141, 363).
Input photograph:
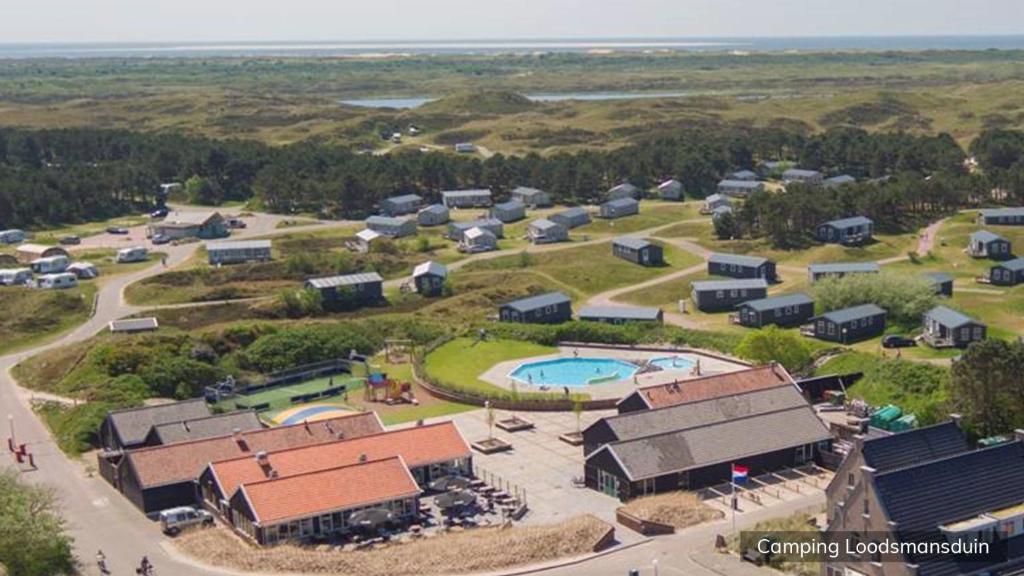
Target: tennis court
point(281, 397)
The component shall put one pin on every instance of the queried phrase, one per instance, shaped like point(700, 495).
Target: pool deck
point(499, 373)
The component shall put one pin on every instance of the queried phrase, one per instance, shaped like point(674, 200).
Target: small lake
point(416, 102)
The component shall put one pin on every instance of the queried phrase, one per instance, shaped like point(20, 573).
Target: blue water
point(404, 103)
point(673, 363)
point(572, 371)
point(504, 46)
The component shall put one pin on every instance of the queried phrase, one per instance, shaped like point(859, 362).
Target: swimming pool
point(573, 371)
point(673, 363)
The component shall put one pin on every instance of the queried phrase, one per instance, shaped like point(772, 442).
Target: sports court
point(272, 401)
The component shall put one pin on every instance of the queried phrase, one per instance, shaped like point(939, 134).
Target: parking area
point(768, 490)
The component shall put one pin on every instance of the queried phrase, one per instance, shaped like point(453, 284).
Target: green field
point(32, 316)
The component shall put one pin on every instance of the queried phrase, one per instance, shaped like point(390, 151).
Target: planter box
point(491, 446)
point(572, 438)
point(514, 424)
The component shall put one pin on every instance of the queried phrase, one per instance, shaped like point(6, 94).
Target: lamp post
point(654, 563)
point(10, 422)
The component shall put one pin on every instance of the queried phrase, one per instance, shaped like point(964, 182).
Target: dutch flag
point(739, 474)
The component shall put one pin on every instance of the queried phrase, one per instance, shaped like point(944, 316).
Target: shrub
point(308, 344)
point(770, 344)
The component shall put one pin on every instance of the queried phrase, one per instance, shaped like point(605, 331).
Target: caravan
point(15, 276)
point(50, 265)
point(57, 281)
point(133, 254)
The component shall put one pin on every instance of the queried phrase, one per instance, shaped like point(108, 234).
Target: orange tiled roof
point(341, 488)
point(418, 446)
point(717, 386)
point(184, 461)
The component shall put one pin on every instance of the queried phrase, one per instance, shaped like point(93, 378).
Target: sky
point(350, 20)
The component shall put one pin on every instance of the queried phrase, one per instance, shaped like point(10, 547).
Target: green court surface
point(280, 397)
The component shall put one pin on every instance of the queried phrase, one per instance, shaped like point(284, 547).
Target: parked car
point(70, 240)
point(897, 341)
point(160, 239)
point(158, 213)
point(173, 520)
point(117, 230)
point(235, 223)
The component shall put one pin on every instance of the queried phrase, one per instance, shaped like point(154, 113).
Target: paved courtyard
point(694, 364)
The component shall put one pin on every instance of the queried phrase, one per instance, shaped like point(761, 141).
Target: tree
point(725, 226)
point(203, 191)
point(770, 344)
point(32, 537)
point(987, 386)
point(905, 298)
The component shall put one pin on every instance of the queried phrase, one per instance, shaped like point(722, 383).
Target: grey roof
point(514, 204)
point(985, 236)
point(430, 267)
point(620, 312)
point(843, 267)
point(545, 224)
point(436, 209)
point(884, 453)
point(621, 202)
point(746, 284)
point(1016, 265)
point(778, 302)
point(403, 198)
point(739, 259)
point(133, 424)
point(743, 174)
point(938, 277)
point(478, 232)
point(538, 301)
point(189, 218)
point(207, 427)
point(466, 193)
point(573, 212)
point(134, 324)
point(852, 313)
point(386, 221)
point(740, 183)
point(672, 184)
point(716, 197)
point(723, 441)
point(849, 222)
point(949, 318)
point(239, 245)
point(841, 179)
point(624, 187)
point(632, 243)
point(1018, 211)
point(723, 209)
point(923, 497)
point(347, 280)
point(527, 190)
point(480, 223)
point(633, 425)
point(800, 173)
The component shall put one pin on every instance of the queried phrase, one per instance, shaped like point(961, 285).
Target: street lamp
point(654, 563)
point(10, 421)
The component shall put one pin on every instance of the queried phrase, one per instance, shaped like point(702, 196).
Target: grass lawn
point(588, 269)
point(31, 316)
point(461, 362)
point(278, 397)
point(52, 235)
point(653, 213)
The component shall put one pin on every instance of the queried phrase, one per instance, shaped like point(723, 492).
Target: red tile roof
point(716, 386)
point(184, 461)
point(342, 488)
point(418, 446)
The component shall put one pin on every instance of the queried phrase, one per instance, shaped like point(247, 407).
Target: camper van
point(15, 276)
point(133, 254)
point(57, 281)
point(50, 265)
point(12, 236)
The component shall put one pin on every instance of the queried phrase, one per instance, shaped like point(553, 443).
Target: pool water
point(673, 363)
point(573, 371)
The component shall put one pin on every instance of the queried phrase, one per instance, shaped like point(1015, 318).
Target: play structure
point(380, 388)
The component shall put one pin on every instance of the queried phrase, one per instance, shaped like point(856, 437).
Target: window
point(851, 480)
point(733, 293)
point(719, 294)
point(866, 509)
point(831, 329)
point(978, 333)
point(743, 293)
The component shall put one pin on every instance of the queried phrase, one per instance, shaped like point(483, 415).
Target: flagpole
point(732, 503)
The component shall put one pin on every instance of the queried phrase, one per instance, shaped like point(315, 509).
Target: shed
point(816, 272)
point(841, 180)
point(743, 175)
point(945, 327)
point(620, 314)
point(28, 252)
point(433, 215)
point(741, 266)
point(399, 205)
point(456, 230)
point(809, 177)
point(942, 282)
point(853, 230)
point(365, 238)
point(985, 244)
point(619, 208)
point(429, 278)
point(714, 201)
point(531, 197)
point(550, 308)
point(510, 211)
point(638, 251)
point(544, 231)
point(849, 324)
point(238, 251)
point(1008, 273)
point(348, 291)
point(476, 198)
point(132, 325)
point(670, 190)
point(721, 295)
point(572, 217)
point(624, 190)
point(478, 239)
point(739, 188)
point(1002, 216)
point(392, 227)
point(785, 310)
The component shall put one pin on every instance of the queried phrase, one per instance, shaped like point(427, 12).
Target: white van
point(15, 276)
point(172, 521)
point(57, 281)
point(133, 254)
point(50, 265)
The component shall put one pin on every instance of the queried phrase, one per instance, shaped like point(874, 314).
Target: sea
point(384, 48)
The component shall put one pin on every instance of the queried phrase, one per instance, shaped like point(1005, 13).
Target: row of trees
point(57, 176)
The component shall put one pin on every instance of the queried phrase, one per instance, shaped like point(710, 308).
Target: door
point(607, 484)
point(801, 455)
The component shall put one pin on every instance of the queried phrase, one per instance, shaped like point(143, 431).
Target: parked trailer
point(15, 276)
point(133, 254)
point(57, 281)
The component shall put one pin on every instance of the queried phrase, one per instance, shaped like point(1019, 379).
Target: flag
point(739, 474)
